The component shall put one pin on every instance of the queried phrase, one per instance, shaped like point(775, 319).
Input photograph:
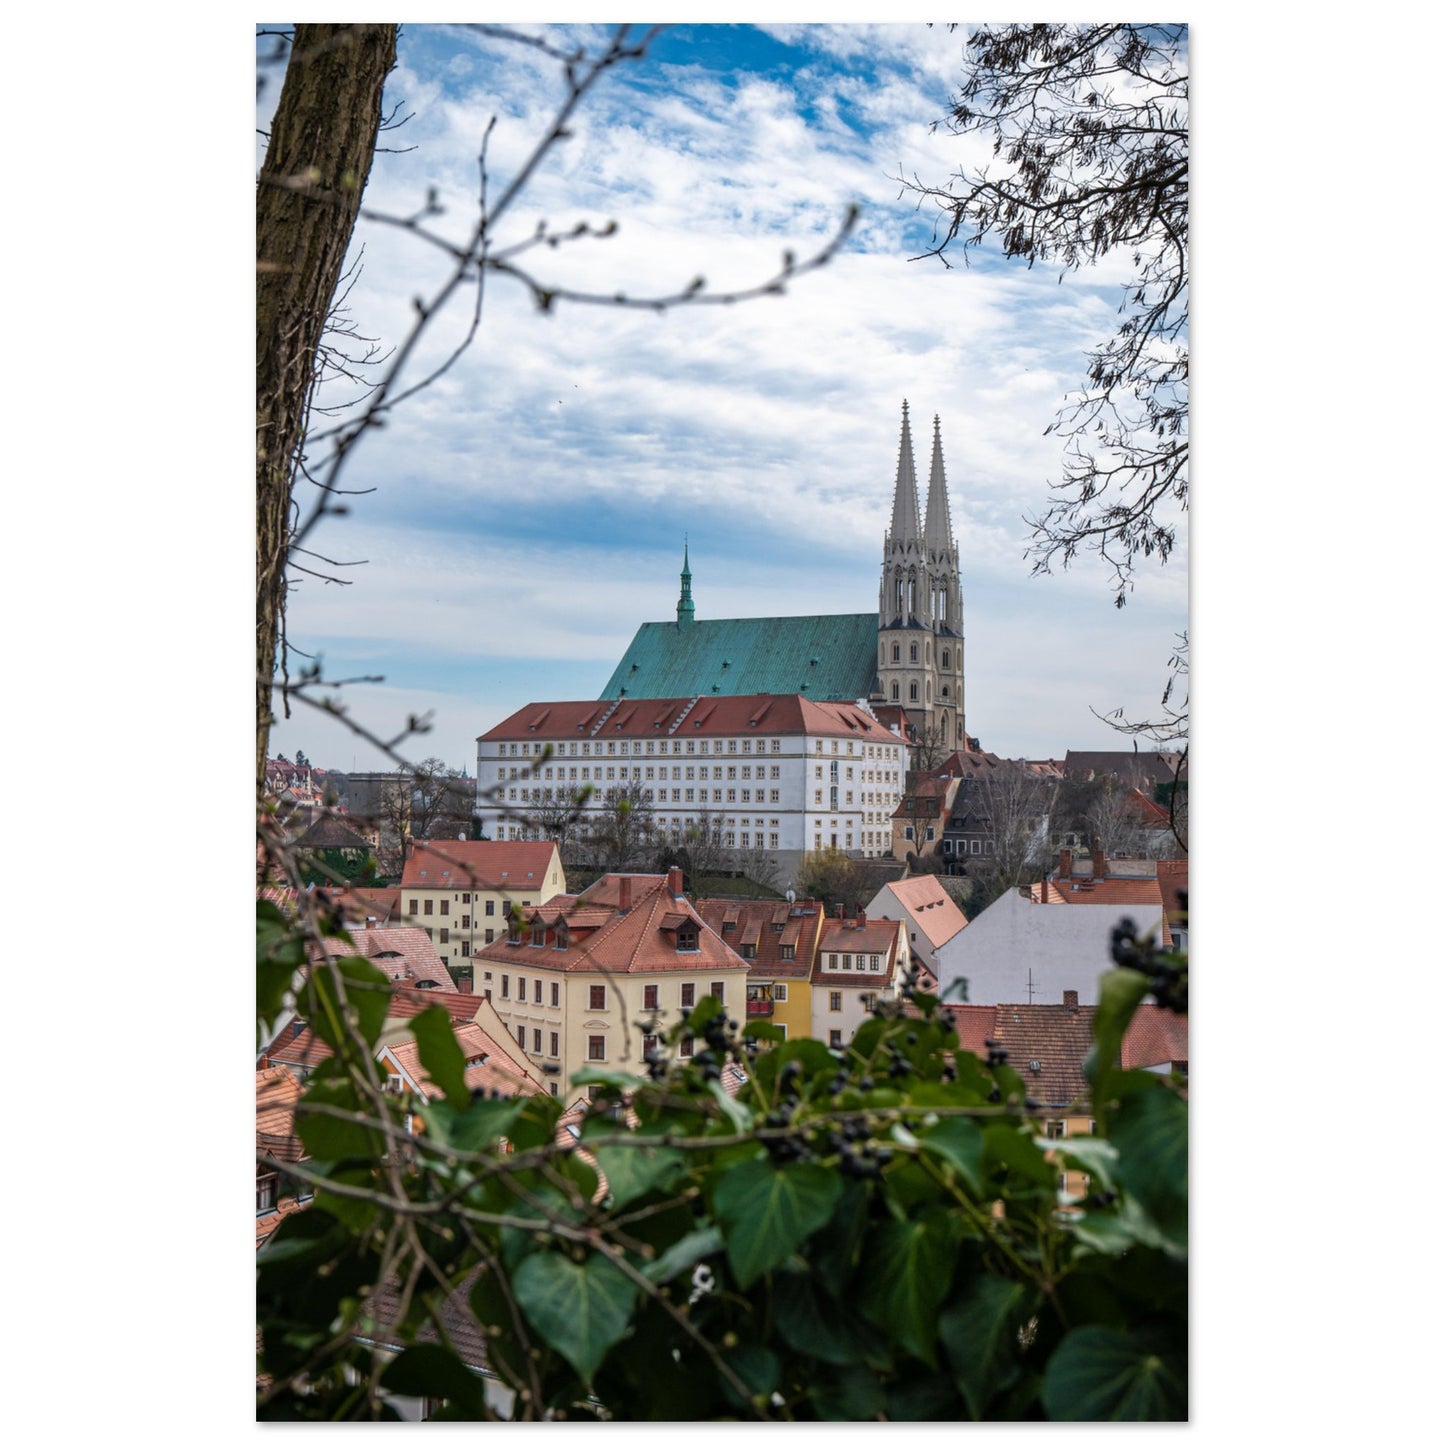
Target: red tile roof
point(1155, 1036)
point(706, 717)
point(478, 864)
point(359, 904)
point(1112, 892)
point(642, 940)
point(739, 921)
point(924, 901)
point(404, 955)
point(839, 935)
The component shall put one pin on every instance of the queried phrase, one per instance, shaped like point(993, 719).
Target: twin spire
point(936, 534)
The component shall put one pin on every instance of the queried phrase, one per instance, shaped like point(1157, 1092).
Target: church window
point(945, 689)
point(895, 652)
point(913, 692)
point(946, 656)
point(895, 692)
point(913, 652)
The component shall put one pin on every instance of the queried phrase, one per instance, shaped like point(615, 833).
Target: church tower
point(920, 603)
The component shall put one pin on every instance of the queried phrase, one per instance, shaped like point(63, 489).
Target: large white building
point(779, 773)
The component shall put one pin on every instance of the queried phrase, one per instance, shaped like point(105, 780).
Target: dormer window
point(687, 938)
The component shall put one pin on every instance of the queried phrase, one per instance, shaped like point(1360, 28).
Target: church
point(905, 661)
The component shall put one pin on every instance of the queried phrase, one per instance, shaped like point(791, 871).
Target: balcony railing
point(759, 1007)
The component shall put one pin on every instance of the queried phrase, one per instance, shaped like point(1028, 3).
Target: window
point(490, 933)
point(555, 995)
point(868, 1000)
point(717, 991)
point(466, 948)
point(687, 937)
point(689, 995)
point(446, 935)
point(537, 992)
point(835, 1002)
point(649, 1044)
point(1054, 1129)
point(491, 906)
point(685, 1048)
point(649, 996)
point(873, 962)
point(466, 897)
point(506, 985)
point(552, 1044)
point(266, 1194)
point(780, 990)
point(522, 1035)
point(835, 1038)
point(466, 920)
point(411, 907)
point(536, 1041)
point(426, 908)
point(446, 907)
point(597, 996)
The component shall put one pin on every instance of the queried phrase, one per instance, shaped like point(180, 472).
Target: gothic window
point(895, 652)
point(895, 692)
point(913, 692)
point(913, 652)
point(946, 656)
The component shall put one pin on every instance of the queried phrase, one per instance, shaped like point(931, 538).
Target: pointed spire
point(684, 601)
point(938, 529)
point(905, 490)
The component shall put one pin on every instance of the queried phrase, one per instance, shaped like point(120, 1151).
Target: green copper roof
point(823, 658)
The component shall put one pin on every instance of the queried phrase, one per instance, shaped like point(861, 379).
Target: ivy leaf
point(813, 1325)
point(736, 1114)
point(766, 1213)
point(441, 1056)
point(960, 1142)
point(980, 1333)
point(633, 1172)
point(423, 1370)
point(581, 1310)
point(1151, 1133)
point(856, 1395)
point(906, 1274)
point(1102, 1374)
point(363, 995)
point(1121, 990)
point(484, 1123)
point(683, 1255)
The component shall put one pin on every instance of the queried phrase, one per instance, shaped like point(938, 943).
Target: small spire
point(905, 489)
point(938, 529)
point(684, 601)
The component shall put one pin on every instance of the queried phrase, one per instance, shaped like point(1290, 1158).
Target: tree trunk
point(307, 199)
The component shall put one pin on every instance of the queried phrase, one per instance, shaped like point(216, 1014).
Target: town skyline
point(587, 443)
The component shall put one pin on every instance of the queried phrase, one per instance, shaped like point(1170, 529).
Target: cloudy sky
point(526, 513)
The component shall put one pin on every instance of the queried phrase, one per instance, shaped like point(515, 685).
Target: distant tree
point(1011, 804)
point(830, 876)
point(931, 745)
point(759, 866)
point(704, 846)
point(556, 814)
point(622, 834)
point(1090, 124)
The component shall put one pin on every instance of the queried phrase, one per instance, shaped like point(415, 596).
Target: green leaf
point(484, 1124)
point(959, 1141)
point(907, 1270)
point(980, 1333)
point(280, 953)
point(581, 1310)
point(814, 1325)
point(361, 997)
point(441, 1056)
point(757, 1368)
point(681, 1257)
point(632, 1172)
point(613, 1078)
point(855, 1395)
point(1121, 990)
point(326, 1137)
point(1006, 1147)
point(709, 1006)
point(764, 1032)
point(1103, 1374)
point(1151, 1132)
point(737, 1114)
point(1096, 1157)
point(432, 1370)
point(766, 1213)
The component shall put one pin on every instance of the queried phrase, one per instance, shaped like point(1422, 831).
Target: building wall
point(468, 915)
point(1015, 945)
point(784, 794)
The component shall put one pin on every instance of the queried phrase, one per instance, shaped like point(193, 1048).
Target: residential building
point(461, 892)
point(779, 943)
point(596, 979)
point(783, 773)
point(921, 817)
point(277, 1145)
point(926, 910)
point(1034, 942)
point(908, 655)
point(858, 962)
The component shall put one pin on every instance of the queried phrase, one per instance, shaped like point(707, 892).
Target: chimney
point(1071, 1000)
point(370, 920)
point(1098, 860)
point(464, 983)
point(1066, 863)
point(674, 881)
point(862, 918)
point(624, 894)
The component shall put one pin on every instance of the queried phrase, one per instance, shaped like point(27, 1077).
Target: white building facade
point(780, 774)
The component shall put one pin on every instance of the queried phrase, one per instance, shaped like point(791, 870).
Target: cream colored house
point(857, 963)
point(597, 979)
point(461, 892)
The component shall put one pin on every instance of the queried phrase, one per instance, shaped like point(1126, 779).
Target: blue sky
point(527, 513)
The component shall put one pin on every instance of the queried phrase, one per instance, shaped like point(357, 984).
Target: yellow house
point(461, 892)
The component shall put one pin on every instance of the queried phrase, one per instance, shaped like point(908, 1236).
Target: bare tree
point(622, 835)
point(759, 866)
point(931, 745)
point(1009, 804)
point(706, 847)
point(832, 877)
point(1091, 126)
